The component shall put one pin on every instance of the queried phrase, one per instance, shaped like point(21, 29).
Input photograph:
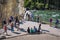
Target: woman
point(39, 28)
point(50, 21)
point(28, 30)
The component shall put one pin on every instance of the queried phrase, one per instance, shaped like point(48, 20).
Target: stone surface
point(23, 28)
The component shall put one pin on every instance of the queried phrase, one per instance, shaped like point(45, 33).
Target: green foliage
point(46, 6)
point(35, 4)
point(27, 3)
point(42, 4)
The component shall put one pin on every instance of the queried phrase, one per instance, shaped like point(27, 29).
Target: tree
point(37, 4)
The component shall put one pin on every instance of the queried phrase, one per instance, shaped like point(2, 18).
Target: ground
point(36, 37)
point(48, 33)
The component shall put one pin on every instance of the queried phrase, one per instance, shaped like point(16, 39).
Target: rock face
point(21, 6)
point(11, 7)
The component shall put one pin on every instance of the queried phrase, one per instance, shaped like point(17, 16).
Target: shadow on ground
point(23, 30)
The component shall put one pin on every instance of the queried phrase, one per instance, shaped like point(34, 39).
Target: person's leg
point(56, 25)
point(6, 32)
point(50, 24)
point(15, 24)
point(11, 29)
point(17, 28)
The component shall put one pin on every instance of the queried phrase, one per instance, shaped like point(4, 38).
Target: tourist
point(12, 27)
point(35, 29)
point(28, 16)
point(39, 28)
point(28, 30)
point(12, 18)
point(17, 23)
point(5, 29)
point(50, 21)
point(56, 23)
point(3, 22)
point(9, 20)
point(31, 15)
point(5, 26)
point(16, 20)
point(31, 31)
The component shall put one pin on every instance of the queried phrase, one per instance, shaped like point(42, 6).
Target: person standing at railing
point(50, 21)
point(56, 23)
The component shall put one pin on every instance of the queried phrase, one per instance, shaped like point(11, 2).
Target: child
point(12, 28)
point(5, 29)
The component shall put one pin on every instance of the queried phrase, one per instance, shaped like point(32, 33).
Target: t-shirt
point(50, 20)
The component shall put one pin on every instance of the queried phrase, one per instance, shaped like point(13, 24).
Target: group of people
point(56, 22)
point(12, 22)
point(34, 30)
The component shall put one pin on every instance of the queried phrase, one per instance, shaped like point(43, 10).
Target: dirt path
point(35, 37)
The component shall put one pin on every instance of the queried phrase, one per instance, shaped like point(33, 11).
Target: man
point(50, 21)
point(56, 23)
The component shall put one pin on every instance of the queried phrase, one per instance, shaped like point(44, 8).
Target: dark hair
point(4, 22)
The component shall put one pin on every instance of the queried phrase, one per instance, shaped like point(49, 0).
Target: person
point(28, 16)
point(50, 21)
point(17, 23)
point(35, 29)
point(32, 16)
point(5, 26)
point(12, 27)
point(56, 23)
point(16, 20)
point(12, 18)
point(28, 30)
point(5, 29)
point(31, 31)
point(3, 22)
point(39, 28)
point(9, 20)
